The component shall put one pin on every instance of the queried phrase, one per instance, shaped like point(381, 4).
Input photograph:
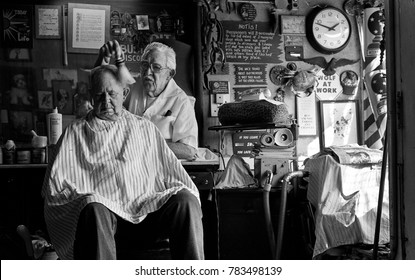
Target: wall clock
point(328, 29)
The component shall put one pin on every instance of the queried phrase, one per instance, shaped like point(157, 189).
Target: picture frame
point(21, 124)
point(18, 88)
point(292, 25)
point(18, 54)
point(88, 27)
point(339, 123)
point(63, 96)
point(48, 21)
point(45, 99)
point(17, 26)
point(142, 22)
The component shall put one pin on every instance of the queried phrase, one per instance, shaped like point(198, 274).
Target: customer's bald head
point(108, 92)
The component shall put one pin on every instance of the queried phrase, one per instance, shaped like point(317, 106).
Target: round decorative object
point(247, 11)
point(277, 75)
point(349, 81)
point(328, 29)
point(378, 83)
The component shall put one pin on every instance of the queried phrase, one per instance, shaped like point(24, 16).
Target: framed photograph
point(88, 27)
point(45, 99)
point(21, 123)
point(142, 22)
point(292, 24)
point(17, 25)
point(339, 123)
point(48, 21)
point(19, 88)
point(18, 54)
point(63, 96)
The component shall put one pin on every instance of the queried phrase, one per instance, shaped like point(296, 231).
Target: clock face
point(329, 30)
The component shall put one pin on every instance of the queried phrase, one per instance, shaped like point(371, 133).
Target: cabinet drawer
point(202, 180)
point(240, 203)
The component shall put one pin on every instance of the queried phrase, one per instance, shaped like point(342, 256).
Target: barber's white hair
point(170, 53)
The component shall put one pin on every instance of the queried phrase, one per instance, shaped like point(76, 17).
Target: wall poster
point(17, 25)
point(88, 27)
point(48, 21)
point(306, 115)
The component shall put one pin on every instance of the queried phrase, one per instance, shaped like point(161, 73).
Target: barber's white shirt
point(126, 165)
point(172, 113)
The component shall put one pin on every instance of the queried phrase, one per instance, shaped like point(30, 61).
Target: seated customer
point(160, 99)
point(112, 175)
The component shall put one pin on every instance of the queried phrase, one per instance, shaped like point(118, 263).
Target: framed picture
point(17, 25)
point(18, 54)
point(88, 27)
point(292, 24)
point(339, 123)
point(142, 22)
point(63, 96)
point(45, 99)
point(48, 21)
point(21, 123)
point(19, 88)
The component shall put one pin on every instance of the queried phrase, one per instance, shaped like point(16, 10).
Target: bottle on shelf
point(54, 126)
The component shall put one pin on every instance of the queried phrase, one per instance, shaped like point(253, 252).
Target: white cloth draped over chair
point(346, 198)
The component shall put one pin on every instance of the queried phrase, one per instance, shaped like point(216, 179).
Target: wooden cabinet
point(21, 203)
point(242, 226)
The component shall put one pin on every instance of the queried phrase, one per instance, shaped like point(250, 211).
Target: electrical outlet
point(222, 98)
point(214, 108)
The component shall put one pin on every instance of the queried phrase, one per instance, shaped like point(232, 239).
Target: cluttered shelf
point(24, 165)
point(252, 126)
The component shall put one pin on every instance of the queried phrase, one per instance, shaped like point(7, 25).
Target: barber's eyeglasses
point(156, 68)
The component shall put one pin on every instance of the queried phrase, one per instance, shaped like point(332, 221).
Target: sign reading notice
point(251, 42)
point(250, 74)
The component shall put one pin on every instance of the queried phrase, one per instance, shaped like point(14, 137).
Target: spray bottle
point(54, 126)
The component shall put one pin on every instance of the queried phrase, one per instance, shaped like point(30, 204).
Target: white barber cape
point(125, 165)
point(172, 112)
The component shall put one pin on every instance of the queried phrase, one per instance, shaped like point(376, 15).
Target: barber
point(160, 99)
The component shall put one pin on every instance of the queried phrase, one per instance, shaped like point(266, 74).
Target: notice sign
point(306, 115)
point(219, 87)
point(251, 42)
point(250, 74)
point(328, 87)
point(244, 142)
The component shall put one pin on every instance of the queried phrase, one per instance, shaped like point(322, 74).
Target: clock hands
point(323, 25)
point(332, 28)
point(328, 27)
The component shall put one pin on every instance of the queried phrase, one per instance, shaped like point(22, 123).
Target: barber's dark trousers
point(179, 219)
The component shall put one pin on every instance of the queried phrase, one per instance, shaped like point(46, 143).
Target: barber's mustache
point(148, 79)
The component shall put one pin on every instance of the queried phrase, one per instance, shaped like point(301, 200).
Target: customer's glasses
point(156, 68)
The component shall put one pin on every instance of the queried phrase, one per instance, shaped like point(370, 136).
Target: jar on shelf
point(9, 152)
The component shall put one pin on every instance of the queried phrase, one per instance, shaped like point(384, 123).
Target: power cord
point(221, 156)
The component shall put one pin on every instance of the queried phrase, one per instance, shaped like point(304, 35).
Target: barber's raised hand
point(108, 50)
